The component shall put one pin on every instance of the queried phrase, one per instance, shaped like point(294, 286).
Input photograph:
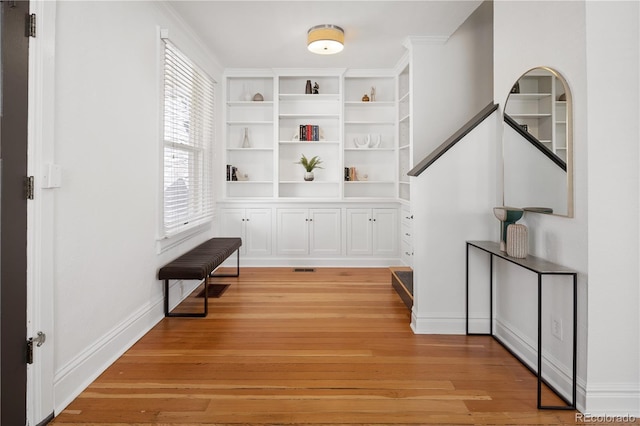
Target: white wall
point(106, 216)
point(457, 194)
point(562, 35)
point(613, 129)
point(452, 80)
point(451, 201)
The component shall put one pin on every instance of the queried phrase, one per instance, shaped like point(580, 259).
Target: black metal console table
point(540, 267)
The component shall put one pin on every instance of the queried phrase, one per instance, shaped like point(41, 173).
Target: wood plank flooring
point(327, 347)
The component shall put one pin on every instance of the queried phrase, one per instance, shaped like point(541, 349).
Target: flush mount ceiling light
point(325, 39)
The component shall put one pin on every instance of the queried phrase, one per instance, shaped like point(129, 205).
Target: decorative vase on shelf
point(517, 241)
point(308, 89)
point(246, 93)
point(308, 176)
point(507, 216)
point(245, 138)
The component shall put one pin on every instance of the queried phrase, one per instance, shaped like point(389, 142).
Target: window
point(187, 140)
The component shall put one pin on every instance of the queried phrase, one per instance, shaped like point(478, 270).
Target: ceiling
point(272, 34)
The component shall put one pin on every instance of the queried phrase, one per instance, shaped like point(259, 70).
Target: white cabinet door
point(232, 225)
point(292, 232)
point(324, 232)
point(257, 232)
point(359, 232)
point(385, 232)
point(252, 225)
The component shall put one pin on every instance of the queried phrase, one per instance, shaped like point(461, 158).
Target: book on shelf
point(232, 173)
point(309, 132)
point(350, 174)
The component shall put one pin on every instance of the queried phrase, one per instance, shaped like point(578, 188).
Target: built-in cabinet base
point(314, 233)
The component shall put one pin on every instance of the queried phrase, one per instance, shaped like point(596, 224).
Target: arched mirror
point(537, 144)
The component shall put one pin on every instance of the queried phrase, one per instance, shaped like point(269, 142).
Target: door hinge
point(30, 188)
point(31, 25)
point(38, 340)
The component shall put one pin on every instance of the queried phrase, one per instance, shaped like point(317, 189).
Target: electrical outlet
point(556, 328)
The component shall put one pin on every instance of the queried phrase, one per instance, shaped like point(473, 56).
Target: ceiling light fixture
point(325, 39)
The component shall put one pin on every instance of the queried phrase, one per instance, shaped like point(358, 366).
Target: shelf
point(404, 97)
point(242, 123)
point(305, 182)
point(309, 115)
point(369, 149)
point(307, 97)
point(250, 103)
point(404, 147)
point(373, 122)
point(405, 118)
point(246, 182)
point(309, 142)
point(250, 149)
point(364, 182)
point(370, 104)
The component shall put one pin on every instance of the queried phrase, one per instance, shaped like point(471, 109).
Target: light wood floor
point(327, 347)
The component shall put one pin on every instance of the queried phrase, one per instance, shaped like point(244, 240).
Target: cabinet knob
point(407, 234)
point(243, 220)
point(369, 219)
point(247, 220)
point(407, 253)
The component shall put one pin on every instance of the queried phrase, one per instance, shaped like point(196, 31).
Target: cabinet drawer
point(406, 234)
point(407, 253)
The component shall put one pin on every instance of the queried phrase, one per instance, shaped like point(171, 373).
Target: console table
point(540, 267)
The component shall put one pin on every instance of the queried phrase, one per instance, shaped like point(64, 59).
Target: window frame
point(196, 144)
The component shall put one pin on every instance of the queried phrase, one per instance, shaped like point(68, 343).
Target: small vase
point(245, 138)
point(246, 93)
point(308, 89)
point(308, 176)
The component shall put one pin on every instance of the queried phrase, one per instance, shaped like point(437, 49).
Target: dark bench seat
point(198, 264)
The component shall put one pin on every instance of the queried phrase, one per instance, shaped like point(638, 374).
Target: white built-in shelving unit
point(255, 164)
point(333, 219)
point(370, 134)
point(405, 157)
point(324, 110)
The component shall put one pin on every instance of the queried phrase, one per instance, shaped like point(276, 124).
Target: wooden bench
point(199, 264)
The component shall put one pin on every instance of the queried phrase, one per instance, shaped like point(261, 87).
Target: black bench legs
point(237, 274)
point(167, 313)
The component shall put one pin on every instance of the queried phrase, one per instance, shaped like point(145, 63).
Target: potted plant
point(309, 165)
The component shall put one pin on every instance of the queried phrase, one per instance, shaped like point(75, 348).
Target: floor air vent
point(304, 270)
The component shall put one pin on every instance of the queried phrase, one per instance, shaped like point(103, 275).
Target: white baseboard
point(319, 262)
point(555, 372)
point(613, 399)
point(70, 380)
point(438, 324)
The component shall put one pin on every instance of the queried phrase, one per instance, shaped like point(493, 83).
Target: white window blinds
point(188, 141)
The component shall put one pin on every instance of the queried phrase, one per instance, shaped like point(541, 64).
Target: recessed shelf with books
point(309, 124)
point(369, 134)
point(249, 136)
